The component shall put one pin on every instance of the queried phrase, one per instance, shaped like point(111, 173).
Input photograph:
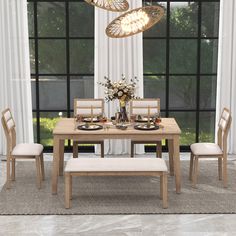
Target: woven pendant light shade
point(110, 5)
point(134, 21)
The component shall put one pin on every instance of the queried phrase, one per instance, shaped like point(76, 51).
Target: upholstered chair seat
point(205, 149)
point(27, 149)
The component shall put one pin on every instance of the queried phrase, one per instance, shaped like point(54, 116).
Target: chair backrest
point(140, 106)
point(83, 106)
point(223, 129)
point(9, 129)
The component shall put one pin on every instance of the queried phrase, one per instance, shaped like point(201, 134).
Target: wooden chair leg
point(225, 175)
point(164, 190)
point(161, 187)
point(70, 187)
point(13, 169)
point(67, 190)
point(195, 172)
point(8, 182)
point(102, 149)
point(42, 167)
point(191, 167)
point(75, 149)
point(37, 159)
point(220, 168)
point(159, 149)
point(132, 149)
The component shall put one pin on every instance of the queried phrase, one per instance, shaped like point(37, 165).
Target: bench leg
point(67, 190)
point(164, 190)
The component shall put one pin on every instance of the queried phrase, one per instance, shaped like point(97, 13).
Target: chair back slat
point(9, 129)
point(140, 106)
point(83, 106)
point(223, 128)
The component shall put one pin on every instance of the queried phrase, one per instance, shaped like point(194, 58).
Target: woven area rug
point(120, 195)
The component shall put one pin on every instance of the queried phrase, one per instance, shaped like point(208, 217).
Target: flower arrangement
point(120, 90)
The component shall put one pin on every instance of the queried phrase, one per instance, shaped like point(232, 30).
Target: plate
point(90, 127)
point(88, 119)
point(146, 127)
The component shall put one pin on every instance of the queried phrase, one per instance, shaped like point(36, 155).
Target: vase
point(123, 112)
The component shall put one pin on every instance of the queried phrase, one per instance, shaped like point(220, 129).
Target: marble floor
point(116, 225)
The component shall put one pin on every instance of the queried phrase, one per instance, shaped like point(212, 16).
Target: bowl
point(122, 126)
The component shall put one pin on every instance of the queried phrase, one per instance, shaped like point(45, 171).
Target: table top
point(67, 126)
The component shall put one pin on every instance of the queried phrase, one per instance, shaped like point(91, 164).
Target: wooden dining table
point(66, 128)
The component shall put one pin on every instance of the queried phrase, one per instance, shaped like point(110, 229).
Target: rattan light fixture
point(110, 5)
point(134, 21)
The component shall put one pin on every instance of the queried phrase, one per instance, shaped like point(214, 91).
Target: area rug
point(120, 195)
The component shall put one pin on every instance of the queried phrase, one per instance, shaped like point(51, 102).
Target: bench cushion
point(115, 164)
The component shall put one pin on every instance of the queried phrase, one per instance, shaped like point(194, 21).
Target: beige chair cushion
point(27, 149)
point(205, 149)
point(115, 164)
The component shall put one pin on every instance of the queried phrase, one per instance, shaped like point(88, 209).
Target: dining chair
point(140, 107)
point(82, 107)
point(212, 150)
point(21, 150)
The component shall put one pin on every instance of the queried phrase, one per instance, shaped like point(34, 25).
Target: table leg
point(177, 164)
point(61, 153)
point(171, 156)
point(56, 160)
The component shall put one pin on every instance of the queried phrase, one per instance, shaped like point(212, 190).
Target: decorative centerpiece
point(122, 91)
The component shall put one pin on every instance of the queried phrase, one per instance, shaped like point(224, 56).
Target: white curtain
point(226, 81)
point(114, 57)
point(15, 89)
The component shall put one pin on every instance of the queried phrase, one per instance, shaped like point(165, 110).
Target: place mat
point(119, 195)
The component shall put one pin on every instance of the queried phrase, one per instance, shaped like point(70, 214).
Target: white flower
point(120, 93)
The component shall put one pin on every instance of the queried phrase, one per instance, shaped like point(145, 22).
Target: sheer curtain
point(226, 81)
point(15, 88)
point(114, 57)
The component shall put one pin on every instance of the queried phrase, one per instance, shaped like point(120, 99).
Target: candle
point(148, 115)
point(91, 114)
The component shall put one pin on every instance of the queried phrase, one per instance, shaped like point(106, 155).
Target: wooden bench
point(116, 167)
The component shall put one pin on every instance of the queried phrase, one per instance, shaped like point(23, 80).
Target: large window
point(180, 66)
point(180, 63)
point(62, 60)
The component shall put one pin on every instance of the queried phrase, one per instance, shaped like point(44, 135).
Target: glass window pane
point(33, 92)
point(159, 29)
point(82, 56)
point(48, 121)
point(208, 92)
point(52, 56)
point(207, 127)
point(183, 56)
point(183, 19)
point(209, 55)
point(187, 123)
point(182, 92)
point(30, 8)
point(154, 56)
point(81, 87)
point(32, 56)
point(81, 19)
point(51, 19)
point(52, 93)
point(35, 127)
point(155, 87)
point(210, 19)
